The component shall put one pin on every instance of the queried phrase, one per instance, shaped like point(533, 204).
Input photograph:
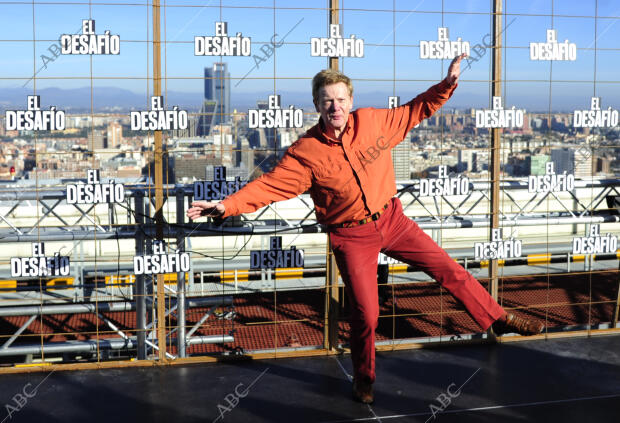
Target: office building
point(538, 163)
point(217, 88)
point(115, 135)
point(208, 117)
point(401, 156)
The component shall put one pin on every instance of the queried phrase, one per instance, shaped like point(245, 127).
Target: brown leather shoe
point(362, 392)
point(516, 324)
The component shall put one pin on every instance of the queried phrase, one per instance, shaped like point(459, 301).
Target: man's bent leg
point(405, 241)
point(357, 261)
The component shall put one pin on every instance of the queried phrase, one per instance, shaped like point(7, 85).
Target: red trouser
point(356, 250)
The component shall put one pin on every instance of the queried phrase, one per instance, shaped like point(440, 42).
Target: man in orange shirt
point(344, 162)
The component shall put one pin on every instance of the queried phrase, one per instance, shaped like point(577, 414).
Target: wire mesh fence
point(106, 142)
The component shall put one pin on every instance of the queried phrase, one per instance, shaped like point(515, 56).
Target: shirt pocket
point(332, 184)
point(330, 178)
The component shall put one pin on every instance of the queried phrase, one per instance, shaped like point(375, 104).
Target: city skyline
point(392, 41)
point(396, 61)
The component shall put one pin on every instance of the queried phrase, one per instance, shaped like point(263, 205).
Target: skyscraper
point(97, 140)
point(401, 157)
point(209, 112)
point(115, 134)
point(583, 164)
point(217, 88)
point(563, 160)
point(270, 133)
point(569, 160)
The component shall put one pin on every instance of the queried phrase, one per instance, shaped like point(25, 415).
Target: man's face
point(334, 104)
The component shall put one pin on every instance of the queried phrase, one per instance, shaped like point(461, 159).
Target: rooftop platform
point(542, 380)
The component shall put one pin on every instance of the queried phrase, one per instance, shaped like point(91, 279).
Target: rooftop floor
point(553, 380)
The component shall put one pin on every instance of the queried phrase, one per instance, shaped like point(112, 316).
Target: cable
point(224, 258)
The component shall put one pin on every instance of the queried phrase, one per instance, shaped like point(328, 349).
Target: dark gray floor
point(565, 380)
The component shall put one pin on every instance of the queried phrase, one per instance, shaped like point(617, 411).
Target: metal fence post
point(139, 291)
point(181, 275)
point(332, 297)
point(159, 177)
point(496, 90)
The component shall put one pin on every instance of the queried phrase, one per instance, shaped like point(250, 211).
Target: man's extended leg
point(405, 241)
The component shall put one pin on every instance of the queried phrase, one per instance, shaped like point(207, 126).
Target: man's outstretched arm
point(397, 122)
point(287, 180)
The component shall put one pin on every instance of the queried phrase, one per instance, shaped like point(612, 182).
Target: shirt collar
point(327, 138)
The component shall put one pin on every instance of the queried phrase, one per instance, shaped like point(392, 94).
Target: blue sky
point(292, 64)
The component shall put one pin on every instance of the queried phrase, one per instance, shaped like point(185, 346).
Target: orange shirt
point(348, 179)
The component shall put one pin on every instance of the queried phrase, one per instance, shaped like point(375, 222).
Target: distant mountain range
point(113, 99)
point(79, 99)
point(119, 99)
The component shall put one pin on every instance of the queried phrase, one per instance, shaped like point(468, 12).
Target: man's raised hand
point(454, 70)
point(205, 208)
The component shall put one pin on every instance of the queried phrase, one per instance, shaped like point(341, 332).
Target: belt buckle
point(373, 217)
